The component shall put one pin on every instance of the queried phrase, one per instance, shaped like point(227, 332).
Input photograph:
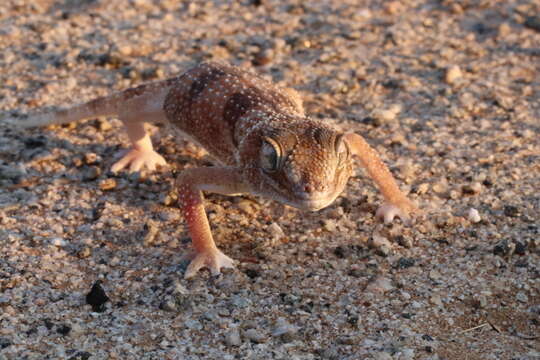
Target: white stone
point(453, 73)
point(473, 215)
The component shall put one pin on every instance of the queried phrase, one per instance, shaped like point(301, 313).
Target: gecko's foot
point(214, 260)
point(136, 160)
point(404, 210)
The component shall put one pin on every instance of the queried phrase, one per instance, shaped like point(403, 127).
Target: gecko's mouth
point(313, 202)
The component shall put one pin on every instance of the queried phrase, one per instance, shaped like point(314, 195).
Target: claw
point(138, 160)
point(388, 211)
point(214, 260)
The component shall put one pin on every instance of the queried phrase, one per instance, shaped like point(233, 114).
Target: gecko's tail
point(104, 106)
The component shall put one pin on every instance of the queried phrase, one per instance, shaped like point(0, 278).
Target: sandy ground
point(447, 91)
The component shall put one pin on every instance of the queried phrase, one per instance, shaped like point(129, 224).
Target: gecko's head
point(303, 164)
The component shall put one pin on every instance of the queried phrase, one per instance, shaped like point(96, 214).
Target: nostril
point(309, 188)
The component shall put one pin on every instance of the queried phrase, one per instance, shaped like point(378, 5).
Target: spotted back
point(210, 103)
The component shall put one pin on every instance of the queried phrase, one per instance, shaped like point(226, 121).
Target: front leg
point(396, 203)
point(190, 183)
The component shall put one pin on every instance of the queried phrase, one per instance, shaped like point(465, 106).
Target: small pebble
point(385, 116)
point(263, 57)
point(474, 216)
point(169, 199)
point(381, 244)
point(472, 189)
point(504, 248)
point(84, 252)
point(434, 275)
point(504, 29)
point(103, 124)
point(329, 225)
point(380, 285)
point(152, 230)
point(255, 335)
point(97, 297)
point(452, 74)
point(77, 161)
point(107, 184)
point(63, 329)
point(247, 206)
point(168, 305)
point(232, 338)
point(407, 354)
point(522, 297)
point(179, 289)
point(533, 22)
point(90, 158)
point(58, 242)
point(520, 247)
point(275, 231)
point(12, 172)
point(91, 173)
point(405, 241)
point(382, 356)
point(480, 302)
point(511, 211)
point(436, 300)
point(404, 263)
point(284, 329)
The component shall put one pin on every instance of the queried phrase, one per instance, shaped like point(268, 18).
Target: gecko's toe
point(214, 260)
point(388, 211)
point(138, 160)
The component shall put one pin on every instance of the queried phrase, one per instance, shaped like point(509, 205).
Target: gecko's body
point(258, 134)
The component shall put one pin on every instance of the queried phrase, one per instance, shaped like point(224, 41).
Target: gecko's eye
point(342, 150)
point(270, 154)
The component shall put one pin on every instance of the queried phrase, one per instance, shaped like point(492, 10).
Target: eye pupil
point(270, 153)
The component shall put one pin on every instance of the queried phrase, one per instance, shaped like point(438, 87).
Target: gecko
point(259, 136)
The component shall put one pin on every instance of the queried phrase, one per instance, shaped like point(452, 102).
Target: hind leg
point(141, 156)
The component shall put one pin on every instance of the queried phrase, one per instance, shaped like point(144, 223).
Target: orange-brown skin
point(259, 136)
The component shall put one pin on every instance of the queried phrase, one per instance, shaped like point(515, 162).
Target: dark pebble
point(503, 248)
point(91, 173)
point(353, 320)
point(4, 343)
point(404, 263)
point(533, 22)
point(369, 120)
point(252, 273)
point(356, 273)
point(110, 60)
point(417, 127)
point(97, 297)
point(511, 211)
point(63, 329)
point(81, 355)
point(263, 57)
point(521, 247)
point(392, 84)
point(48, 324)
point(339, 252)
point(522, 263)
point(150, 74)
point(35, 142)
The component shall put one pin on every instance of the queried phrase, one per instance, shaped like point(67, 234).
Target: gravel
point(448, 92)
